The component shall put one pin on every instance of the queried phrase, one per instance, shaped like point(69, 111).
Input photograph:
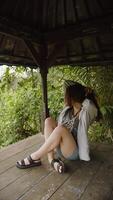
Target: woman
point(68, 136)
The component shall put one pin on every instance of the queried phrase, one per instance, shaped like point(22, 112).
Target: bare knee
point(50, 125)
point(62, 129)
point(50, 122)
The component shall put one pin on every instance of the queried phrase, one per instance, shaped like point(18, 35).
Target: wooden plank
point(24, 183)
point(21, 62)
point(84, 180)
point(96, 192)
point(10, 176)
point(85, 28)
point(48, 185)
point(19, 146)
point(86, 55)
point(104, 176)
point(93, 146)
point(75, 10)
point(10, 162)
point(88, 9)
point(23, 142)
point(8, 171)
point(55, 53)
point(104, 147)
point(101, 185)
point(111, 196)
point(103, 152)
point(88, 62)
point(35, 55)
point(75, 186)
point(10, 55)
point(7, 27)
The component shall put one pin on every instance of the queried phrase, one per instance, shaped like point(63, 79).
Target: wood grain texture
point(83, 180)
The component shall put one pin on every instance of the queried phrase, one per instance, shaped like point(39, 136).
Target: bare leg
point(59, 136)
point(50, 125)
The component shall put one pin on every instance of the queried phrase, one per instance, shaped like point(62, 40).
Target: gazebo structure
point(43, 33)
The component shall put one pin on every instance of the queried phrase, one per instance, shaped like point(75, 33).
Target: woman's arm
point(86, 117)
point(82, 138)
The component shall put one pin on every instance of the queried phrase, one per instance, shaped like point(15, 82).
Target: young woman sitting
point(68, 135)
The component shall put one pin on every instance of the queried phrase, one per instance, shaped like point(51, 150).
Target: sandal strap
point(31, 161)
point(22, 162)
point(60, 163)
point(53, 161)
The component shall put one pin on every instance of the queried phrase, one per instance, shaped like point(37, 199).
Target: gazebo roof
point(53, 32)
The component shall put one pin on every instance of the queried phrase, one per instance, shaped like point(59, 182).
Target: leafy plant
point(21, 99)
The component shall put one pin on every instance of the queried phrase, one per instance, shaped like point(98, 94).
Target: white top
point(87, 115)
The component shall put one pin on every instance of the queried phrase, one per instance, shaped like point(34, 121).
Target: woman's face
point(72, 103)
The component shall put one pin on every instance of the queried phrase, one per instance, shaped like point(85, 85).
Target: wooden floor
point(84, 180)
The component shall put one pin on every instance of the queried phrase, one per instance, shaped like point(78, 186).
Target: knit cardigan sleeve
point(86, 118)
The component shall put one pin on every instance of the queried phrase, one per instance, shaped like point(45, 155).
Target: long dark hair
point(78, 93)
point(90, 94)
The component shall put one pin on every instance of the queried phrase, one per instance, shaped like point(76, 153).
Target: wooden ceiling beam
point(92, 27)
point(101, 52)
point(56, 11)
point(99, 2)
point(8, 27)
point(85, 55)
point(7, 55)
point(67, 51)
point(1, 40)
point(82, 49)
point(86, 62)
point(65, 11)
point(75, 10)
point(11, 61)
point(35, 55)
point(87, 8)
point(79, 30)
point(55, 53)
point(2, 62)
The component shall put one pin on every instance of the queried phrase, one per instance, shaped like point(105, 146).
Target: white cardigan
point(87, 115)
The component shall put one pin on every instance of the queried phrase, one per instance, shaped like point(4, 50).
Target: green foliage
point(21, 100)
point(98, 78)
point(19, 109)
point(101, 132)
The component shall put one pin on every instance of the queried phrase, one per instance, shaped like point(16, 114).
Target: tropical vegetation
point(21, 100)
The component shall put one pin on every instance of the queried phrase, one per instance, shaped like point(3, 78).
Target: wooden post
point(45, 111)
point(39, 59)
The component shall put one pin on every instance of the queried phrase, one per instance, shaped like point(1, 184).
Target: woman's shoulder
point(64, 114)
point(65, 109)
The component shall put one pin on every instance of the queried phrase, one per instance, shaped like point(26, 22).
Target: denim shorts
point(73, 156)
